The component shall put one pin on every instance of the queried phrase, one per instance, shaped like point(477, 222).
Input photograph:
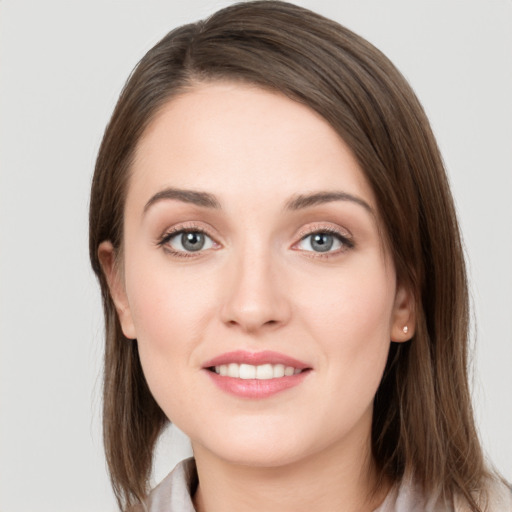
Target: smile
point(260, 372)
point(256, 375)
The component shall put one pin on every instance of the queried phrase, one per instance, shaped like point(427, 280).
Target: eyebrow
point(298, 202)
point(307, 200)
point(186, 196)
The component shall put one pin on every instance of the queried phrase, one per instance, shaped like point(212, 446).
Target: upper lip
point(255, 359)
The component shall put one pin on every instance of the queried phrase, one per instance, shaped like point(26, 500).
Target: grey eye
point(190, 241)
point(321, 242)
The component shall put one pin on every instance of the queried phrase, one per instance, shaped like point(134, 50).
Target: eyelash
point(163, 242)
point(168, 235)
point(346, 242)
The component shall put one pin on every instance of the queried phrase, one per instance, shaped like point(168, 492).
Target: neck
point(339, 478)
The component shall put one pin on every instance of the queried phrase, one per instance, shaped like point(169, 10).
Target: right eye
point(188, 241)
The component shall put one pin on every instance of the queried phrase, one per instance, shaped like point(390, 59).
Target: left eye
point(189, 241)
point(321, 242)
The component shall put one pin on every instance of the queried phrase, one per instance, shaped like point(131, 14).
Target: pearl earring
point(405, 329)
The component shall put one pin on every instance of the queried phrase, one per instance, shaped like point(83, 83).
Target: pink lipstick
point(255, 374)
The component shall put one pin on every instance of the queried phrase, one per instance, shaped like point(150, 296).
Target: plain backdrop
point(62, 66)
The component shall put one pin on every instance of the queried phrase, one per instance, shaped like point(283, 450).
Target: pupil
point(192, 241)
point(322, 242)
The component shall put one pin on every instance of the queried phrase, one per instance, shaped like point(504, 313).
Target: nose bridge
point(254, 296)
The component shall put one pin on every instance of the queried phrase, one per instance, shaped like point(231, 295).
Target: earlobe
point(403, 322)
point(113, 275)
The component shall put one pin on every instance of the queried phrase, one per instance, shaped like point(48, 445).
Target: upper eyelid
point(324, 228)
point(188, 226)
point(172, 234)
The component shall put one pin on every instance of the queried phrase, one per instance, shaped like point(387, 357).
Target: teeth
point(278, 370)
point(232, 369)
point(261, 372)
point(264, 371)
point(247, 371)
point(288, 371)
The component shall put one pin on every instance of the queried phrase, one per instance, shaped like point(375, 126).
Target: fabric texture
point(174, 494)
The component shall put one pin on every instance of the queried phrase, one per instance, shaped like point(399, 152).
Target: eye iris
point(192, 241)
point(322, 242)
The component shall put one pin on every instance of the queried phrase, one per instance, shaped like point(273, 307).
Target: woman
point(282, 278)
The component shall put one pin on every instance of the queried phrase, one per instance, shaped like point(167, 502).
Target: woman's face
point(254, 277)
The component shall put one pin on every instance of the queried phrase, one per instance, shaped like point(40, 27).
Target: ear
point(115, 280)
point(403, 320)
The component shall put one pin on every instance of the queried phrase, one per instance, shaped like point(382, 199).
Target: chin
point(261, 445)
point(258, 455)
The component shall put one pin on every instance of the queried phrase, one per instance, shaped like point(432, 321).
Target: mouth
point(256, 375)
point(260, 372)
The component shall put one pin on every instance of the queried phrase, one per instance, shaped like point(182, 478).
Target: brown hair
point(423, 422)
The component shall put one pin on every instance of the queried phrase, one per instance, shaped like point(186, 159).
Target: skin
point(260, 285)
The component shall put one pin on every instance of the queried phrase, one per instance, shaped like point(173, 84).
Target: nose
point(255, 298)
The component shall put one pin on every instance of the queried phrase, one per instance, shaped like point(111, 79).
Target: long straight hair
point(422, 420)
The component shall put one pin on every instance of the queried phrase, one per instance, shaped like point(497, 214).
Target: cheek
point(355, 303)
point(350, 319)
point(350, 323)
point(169, 314)
point(168, 306)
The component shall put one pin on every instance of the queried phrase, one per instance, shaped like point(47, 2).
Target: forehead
point(234, 139)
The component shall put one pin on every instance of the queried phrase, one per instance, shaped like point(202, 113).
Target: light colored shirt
point(174, 494)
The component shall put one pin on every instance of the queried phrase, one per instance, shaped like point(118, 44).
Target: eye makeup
point(191, 236)
point(191, 239)
point(322, 238)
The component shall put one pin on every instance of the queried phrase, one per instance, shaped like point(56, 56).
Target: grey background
point(62, 65)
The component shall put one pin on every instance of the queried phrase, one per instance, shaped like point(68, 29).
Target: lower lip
point(256, 388)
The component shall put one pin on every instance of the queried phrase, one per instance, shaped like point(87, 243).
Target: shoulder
point(174, 493)
point(496, 497)
point(407, 496)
